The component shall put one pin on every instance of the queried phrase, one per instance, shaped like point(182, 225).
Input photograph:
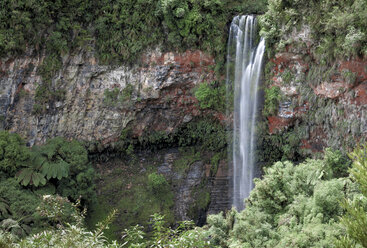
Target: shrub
point(210, 134)
point(211, 96)
point(20, 205)
point(337, 27)
point(272, 99)
point(291, 206)
point(13, 153)
point(158, 184)
point(162, 236)
point(355, 218)
point(62, 160)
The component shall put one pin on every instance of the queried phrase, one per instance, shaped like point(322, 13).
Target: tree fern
point(30, 176)
point(58, 169)
point(4, 208)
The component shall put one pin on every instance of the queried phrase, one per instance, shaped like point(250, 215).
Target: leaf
point(29, 176)
point(4, 208)
point(24, 176)
point(57, 170)
point(38, 179)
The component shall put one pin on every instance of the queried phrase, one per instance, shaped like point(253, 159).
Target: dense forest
point(61, 191)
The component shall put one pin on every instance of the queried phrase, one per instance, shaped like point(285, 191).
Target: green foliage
point(210, 134)
point(158, 186)
point(19, 204)
point(287, 77)
point(12, 227)
point(272, 98)
point(211, 96)
point(64, 236)
point(214, 163)
point(62, 160)
point(337, 162)
point(59, 210)
point(207, 133)
point(201, 203)
point(291, 206)
point(162, 236)
point(355, 218)
point(338, 28)
point(279, 146)
point(219, 227)
point(121, 29)
point(30, 176)
point(142, 194)
point(156, 139)
point(71, 236)
point(359, 167)
point(58, 166)
point(57, 159)
point(349, 77)
point(13, 153)
point(46, 95)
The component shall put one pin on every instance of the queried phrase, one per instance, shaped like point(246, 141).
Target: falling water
point(244, 61)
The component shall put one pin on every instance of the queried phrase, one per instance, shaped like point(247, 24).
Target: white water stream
point(243, 74)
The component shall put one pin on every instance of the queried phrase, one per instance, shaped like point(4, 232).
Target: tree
point(13, 153)
point(355, 218)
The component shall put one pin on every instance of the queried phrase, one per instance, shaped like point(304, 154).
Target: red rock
point(355, 65)
point(361, 94)
point(277, 123)
point(305, 144)
point(187, 61)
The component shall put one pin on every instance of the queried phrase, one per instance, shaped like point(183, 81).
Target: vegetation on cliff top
point(119, 29)
point(338, 29)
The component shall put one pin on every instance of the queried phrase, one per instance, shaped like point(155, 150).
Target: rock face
point(100, 101)
point(197, 190)
point(324, 102)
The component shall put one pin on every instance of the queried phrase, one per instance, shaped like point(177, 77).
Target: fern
point(4, 208)
point(30, 176)
point(57, 170)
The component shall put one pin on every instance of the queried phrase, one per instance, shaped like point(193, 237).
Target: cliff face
point(322, 103)
point(98, 102)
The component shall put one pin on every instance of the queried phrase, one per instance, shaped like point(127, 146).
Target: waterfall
point(244, 62)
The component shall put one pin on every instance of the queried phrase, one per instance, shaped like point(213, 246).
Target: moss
point(287, 77)
point(115, 97)
point(201, 202)
point(188, 156)
point(214, 162)
point(119, 190)
point(208, 133)
point(272, 98)
point(46, 95)
point(211, 95)
point(349, 77)
point(280, 146)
